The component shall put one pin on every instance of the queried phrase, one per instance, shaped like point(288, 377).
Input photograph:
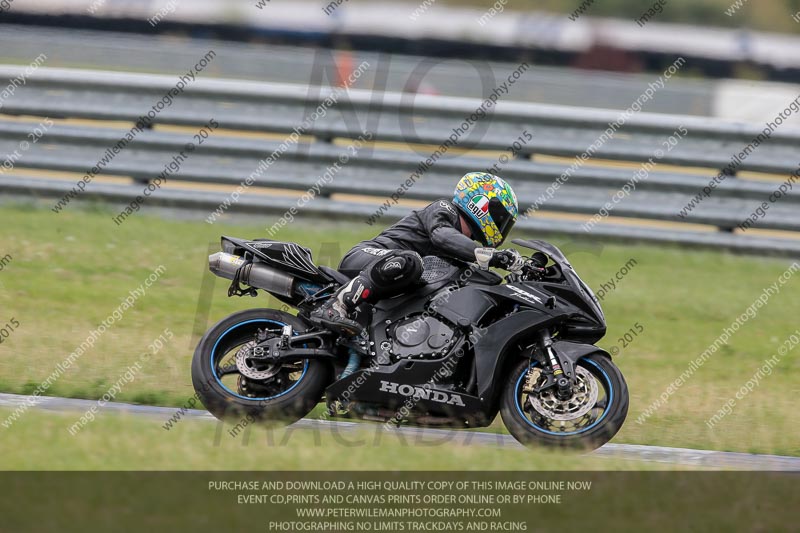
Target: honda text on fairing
point(458, 348)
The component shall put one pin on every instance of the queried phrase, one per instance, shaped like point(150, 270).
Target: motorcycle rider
point(484, 209)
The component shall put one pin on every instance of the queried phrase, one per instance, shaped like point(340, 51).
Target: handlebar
point(533, 268)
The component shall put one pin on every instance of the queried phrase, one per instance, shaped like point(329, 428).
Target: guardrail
point(167, 54)
point(408, 129)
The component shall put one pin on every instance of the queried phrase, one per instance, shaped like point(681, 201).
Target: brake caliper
point(534, 373)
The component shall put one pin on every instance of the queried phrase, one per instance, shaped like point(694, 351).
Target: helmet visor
point(501, 217)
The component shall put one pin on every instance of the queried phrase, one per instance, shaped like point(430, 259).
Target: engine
point(421, 337)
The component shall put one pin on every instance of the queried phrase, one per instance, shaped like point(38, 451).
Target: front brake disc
point(582, 401)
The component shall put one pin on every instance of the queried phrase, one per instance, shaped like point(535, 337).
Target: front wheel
point(232, 383)
point(587, 420)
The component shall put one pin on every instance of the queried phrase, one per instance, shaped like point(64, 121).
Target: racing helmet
point(488, 204)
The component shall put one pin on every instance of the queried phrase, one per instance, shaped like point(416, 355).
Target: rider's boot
point(335, 313)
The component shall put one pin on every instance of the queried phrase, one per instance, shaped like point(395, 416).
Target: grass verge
point(69, 271)
point(128, 442)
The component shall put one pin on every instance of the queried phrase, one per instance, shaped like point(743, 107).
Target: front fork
point(560, 371)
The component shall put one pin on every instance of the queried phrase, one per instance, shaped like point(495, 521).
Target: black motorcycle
point(453, 351)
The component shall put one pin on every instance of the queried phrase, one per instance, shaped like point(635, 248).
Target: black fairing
point(287, 257)
point(562, 304)
point(463, 307)
point(584, 296)
point(370, 387)
point(496, 341)
point(476, 276)
point(464, 310)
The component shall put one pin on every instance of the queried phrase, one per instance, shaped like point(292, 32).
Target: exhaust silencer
point(256, 275)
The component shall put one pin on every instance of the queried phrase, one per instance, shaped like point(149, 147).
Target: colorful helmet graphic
point(489, 204)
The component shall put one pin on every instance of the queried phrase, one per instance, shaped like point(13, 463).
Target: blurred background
point(296, 86)
point(590, 53)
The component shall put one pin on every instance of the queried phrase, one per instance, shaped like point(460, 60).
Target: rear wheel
point(589, 419)
point(233, 384)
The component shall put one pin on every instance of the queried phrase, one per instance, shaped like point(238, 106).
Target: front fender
point(571, 352)
point(575, 350)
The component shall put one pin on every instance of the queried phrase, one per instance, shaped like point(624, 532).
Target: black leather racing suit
point(391, 262)
point(432, 230)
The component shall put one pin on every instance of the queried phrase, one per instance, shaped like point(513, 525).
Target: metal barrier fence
point(106, 50)
point(408, 131)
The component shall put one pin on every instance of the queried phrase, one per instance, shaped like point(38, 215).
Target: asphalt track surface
point(659, 454)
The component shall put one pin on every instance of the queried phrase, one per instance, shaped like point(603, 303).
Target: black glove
point(508, 259)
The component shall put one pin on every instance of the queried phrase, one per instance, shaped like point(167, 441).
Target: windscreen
point(570, 275)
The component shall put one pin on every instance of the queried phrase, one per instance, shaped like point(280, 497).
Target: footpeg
point(286, 334)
